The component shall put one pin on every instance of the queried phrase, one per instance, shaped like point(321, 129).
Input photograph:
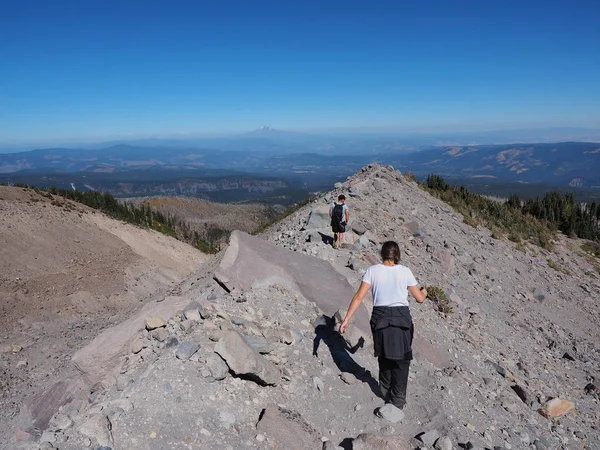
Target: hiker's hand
point(424, 291)
point(343, 327)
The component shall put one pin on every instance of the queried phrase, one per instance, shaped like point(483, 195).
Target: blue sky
point(105, 70)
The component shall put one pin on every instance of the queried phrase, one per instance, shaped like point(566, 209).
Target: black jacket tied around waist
point(393, 330)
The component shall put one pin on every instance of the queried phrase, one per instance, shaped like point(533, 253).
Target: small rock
point(187, 325)
point(217, 367)
point(153, 322)
point(556, 407)
point(191, 312)
point(348, 378)
point(391, 413)
point(593, 388)
point(429, 438)
point(358, 228)
point(48, 436)
point(61, 422)
point(244, 360)
point(540, 294)
point(206, 311)
point(237, 321)
point(97, 429)
point(444, 443)
point(160, 334)
point(186, 350)
point(318, 384)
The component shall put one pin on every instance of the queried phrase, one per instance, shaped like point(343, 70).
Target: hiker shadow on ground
point(326, 238)
point(341, 352)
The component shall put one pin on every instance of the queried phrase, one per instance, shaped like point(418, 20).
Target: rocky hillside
point(66, 273)
point(244, 353)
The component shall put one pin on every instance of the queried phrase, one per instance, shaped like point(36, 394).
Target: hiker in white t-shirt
point(391, 321)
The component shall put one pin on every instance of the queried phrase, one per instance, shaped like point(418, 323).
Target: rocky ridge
point(251, 361)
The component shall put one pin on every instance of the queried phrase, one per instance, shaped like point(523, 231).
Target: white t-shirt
point(389, 284)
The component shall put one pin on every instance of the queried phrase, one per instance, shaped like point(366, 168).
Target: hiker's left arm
point(354, 304)
point(347, 216)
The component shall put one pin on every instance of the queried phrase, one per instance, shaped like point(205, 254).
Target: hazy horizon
point(437, 137)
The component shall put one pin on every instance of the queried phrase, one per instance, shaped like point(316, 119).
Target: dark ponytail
point(390, 252)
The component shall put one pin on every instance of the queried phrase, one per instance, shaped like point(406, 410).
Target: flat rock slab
point(251, 262)
point(101, 356)
point(242, 359)
point(367, 441)
point(288, 429)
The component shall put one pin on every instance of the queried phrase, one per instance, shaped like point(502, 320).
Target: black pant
point(393, 379)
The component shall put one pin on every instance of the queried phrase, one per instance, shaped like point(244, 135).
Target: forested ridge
point(534, 220)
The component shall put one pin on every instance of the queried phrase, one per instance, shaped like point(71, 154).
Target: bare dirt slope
point(66, 273)
point(202, 215)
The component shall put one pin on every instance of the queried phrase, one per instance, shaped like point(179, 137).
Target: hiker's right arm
point(419, 294)
point(354, 304)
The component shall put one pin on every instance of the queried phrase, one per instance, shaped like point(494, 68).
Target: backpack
point(338, 213)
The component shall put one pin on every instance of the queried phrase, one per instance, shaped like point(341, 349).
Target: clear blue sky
point(88, 69)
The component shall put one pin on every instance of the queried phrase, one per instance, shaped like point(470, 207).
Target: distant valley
point(272, 175)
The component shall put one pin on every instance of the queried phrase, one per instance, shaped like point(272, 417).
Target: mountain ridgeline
point(271, 164)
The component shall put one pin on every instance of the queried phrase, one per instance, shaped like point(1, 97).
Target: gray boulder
point(98, 429)
point(319, 217)
point(250, 261)
point(359, 228)
point(242, 359)
point(217, 367)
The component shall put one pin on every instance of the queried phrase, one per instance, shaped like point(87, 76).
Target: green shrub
point(592, 247)
point(507, 217)
point(558, 268)
point(439, 298)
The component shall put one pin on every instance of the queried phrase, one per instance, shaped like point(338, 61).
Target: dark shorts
point(338, 227)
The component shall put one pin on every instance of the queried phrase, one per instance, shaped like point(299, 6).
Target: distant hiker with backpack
point(339, 218)
point(391, 321)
